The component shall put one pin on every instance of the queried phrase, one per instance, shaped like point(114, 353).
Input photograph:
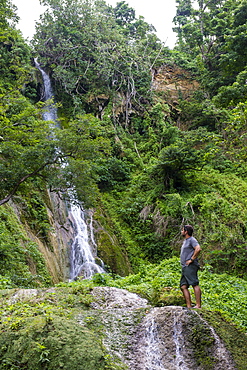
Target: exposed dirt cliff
point(172, 83)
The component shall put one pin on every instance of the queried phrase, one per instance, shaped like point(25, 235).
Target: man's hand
point(188, 262)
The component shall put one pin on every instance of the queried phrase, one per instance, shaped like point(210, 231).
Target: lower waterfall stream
point(82, 261)
point(156, 338)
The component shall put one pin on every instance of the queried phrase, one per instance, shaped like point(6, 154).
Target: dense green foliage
point(19, 254)
point(145, 161)
point(36, 346)
point(96, 53)
point(215, 34)
point(36, 329)
point(149, 164)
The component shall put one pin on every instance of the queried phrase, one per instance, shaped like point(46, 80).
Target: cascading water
point(152, 355)
point(163, 338)
point(50, 113)
point(179, 342)
point(82, 261)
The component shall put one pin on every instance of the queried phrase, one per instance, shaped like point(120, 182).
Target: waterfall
point(179, 342)
point(82, 261)
point(50, 113)
point(220, 352)
point(152, 352)
point(162, 341)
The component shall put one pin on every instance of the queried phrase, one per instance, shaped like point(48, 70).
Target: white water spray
point(178, 338)
point(50, 112)
point(220, 352)
point(82, 261)
point(152, 355)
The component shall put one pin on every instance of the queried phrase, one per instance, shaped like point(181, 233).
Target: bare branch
point(31, 174)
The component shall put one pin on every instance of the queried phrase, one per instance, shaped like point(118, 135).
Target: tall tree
point(15, 53)
point(94, 50)
point(205, 30)
point(8, 16)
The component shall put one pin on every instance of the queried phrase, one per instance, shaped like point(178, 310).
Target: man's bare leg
point(187, 296)
point(198, 294)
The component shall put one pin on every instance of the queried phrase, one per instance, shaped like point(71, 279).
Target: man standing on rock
point(190, 266)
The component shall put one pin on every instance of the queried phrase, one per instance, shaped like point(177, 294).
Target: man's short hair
point(189, 229)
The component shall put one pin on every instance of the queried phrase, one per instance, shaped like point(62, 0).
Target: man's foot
point(196, 307)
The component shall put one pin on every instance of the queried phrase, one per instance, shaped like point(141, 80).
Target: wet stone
point(160, 338)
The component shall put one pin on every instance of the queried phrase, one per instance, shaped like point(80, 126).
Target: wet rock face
point(175, 338)
point(164, 338)
point(135, 335)
point(109, 297)
point(159, 342)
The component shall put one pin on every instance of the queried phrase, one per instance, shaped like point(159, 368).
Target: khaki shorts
point(189, 275)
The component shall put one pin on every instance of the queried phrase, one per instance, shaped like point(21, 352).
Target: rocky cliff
point(55, 242)
point(173, 83)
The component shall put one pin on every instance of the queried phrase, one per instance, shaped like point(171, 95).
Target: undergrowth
point(35, 328)
point(160, 285)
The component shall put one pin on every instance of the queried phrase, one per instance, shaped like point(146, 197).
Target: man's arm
point(197, 250)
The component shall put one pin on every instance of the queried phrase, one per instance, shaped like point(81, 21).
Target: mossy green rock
point(78, 326)
point(57, 343)
point(109, 247)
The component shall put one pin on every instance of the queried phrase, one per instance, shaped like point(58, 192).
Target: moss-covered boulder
point(109, 246)
point(44, 342)
point(80, 326)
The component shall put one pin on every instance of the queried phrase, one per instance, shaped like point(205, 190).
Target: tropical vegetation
point(148, 161)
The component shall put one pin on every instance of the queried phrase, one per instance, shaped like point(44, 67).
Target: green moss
point(110, 249)
point(169, 297)
point(22, 263)
point(38, 342)
point(33, 210)
point(202, 342)
point(233, 338)
point(52, 329)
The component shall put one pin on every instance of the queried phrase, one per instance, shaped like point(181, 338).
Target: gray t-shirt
point(187, 250)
